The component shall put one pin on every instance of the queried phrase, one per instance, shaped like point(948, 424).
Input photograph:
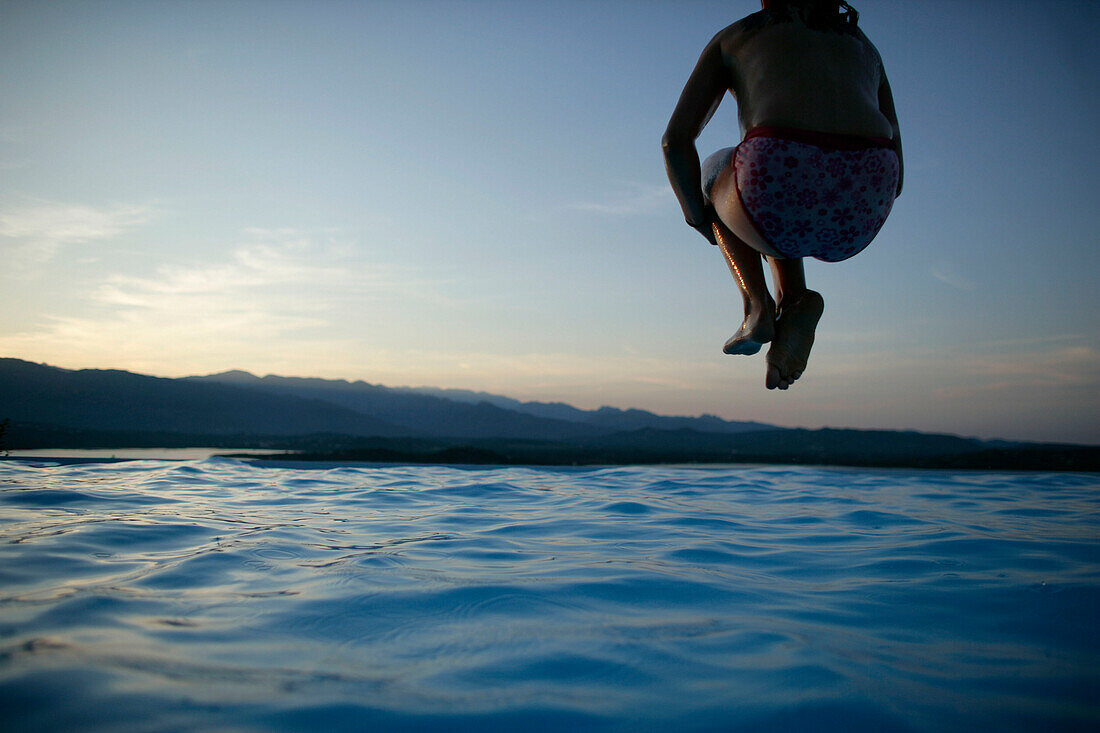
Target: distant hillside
point(118, 400)
point(415, 413)
point(238, 403)
point(327, 419)
point(610, 418)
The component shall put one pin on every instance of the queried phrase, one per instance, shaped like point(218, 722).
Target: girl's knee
point(713, 167)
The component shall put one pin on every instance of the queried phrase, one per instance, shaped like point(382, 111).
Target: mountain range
point(237, 402)
point(326, 419)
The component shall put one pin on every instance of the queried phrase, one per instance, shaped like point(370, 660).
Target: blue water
point(224, 595)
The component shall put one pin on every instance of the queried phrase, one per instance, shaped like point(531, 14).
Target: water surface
point(220, 594)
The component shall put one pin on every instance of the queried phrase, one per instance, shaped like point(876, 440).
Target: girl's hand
point(706, 227)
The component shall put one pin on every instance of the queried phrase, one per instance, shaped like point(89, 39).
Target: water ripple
point(222, 594)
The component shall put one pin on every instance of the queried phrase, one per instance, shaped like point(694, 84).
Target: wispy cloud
point(38, 230)
point(594, 379)
point(251, 267)
point(1073, 370)
point(922, 163)
point(1069, 365)
point(634, 199)
point(275, 290)
point(272, 271)
point(1032, 340)
point(949, 275)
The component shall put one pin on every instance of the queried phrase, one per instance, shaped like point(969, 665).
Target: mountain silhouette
point(327, 419)
point(237, 402)
point(109, 399)
point(464, 413)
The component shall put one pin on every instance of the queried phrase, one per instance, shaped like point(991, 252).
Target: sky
point(472, 195)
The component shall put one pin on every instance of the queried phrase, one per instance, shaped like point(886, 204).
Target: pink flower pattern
point(797, 194)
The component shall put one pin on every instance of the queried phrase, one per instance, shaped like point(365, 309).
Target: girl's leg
point(788, 278)
point(742, 255)
point(758, 327)
point(798, 310)
point(788, 322)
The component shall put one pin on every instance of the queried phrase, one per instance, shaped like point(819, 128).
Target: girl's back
point(787, 74)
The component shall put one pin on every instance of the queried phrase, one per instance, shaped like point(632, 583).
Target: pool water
point(221, 594)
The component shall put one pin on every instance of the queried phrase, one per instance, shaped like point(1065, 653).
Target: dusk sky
point(471, 194)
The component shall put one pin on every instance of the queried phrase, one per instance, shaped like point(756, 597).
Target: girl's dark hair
point(824, 15)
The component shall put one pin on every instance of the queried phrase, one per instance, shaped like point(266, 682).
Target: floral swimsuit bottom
point(811, 194)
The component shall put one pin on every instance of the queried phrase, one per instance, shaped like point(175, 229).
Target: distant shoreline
point(305, 419)
point(1084, 459)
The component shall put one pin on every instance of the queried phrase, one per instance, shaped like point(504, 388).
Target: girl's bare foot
point(757, 329)
point(795, 325)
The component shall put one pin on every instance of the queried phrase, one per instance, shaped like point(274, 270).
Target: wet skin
point(783, 75)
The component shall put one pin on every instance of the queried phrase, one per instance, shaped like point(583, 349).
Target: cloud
point(1073, 371)
point(949, 275)
point(583, 379)
point(273, 291)
point(635, 199)
point(1073, 365)
point(271, 273)
point(1012, 364)
point(922, 163)
point(40, 229)
point(1030, 341)
point(251, 267)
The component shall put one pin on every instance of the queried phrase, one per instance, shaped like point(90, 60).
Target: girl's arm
point(701, 96)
